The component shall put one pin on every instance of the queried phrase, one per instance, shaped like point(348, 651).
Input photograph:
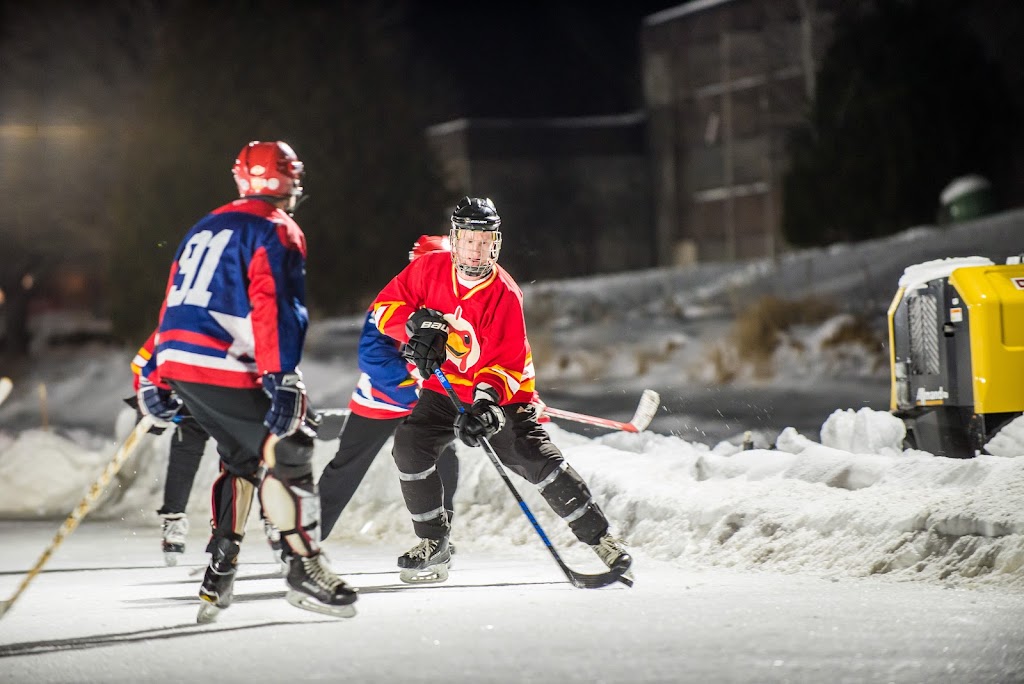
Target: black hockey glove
point(428, 336)
point(482, 420)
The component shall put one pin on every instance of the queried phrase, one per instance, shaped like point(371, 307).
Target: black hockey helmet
point(475, 213)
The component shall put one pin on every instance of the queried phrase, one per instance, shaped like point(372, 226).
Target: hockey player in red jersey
point(229, 341)
point(463, 313)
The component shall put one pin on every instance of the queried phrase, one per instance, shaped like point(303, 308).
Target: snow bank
point(854, 505)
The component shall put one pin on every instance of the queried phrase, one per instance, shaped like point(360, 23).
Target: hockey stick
point(334, 419)
point(5, 389)
point(123, 452)
point(578, 580)
point(642, 417)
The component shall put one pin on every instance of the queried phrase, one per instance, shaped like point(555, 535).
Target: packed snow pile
point(855, 504)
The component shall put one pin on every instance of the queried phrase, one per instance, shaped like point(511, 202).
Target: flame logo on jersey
point(463, 348)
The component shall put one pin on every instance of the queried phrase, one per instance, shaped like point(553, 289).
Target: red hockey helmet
point(268, 169)
point(429, 243)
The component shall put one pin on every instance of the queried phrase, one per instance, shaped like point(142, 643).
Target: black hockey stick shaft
point(578, 579)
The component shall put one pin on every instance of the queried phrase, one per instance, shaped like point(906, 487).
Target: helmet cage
point(462, 226)
point(475, 215)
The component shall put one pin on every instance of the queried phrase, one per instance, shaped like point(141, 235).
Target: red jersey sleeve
point(398, 300)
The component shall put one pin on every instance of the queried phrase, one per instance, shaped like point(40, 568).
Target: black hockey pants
point(523, 446)
point(187, 446)
point(361, 440)
point(234, 417)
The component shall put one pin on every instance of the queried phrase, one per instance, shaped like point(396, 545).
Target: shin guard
point(292, 504)
point(232, 500)
point(569, 497)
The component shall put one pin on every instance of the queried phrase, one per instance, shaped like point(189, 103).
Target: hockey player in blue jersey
point(186, 452)
point(229, 342)
point(384, 395)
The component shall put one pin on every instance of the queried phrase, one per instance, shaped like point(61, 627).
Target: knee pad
point(232, 499)
point(293, 506)
point(295, 450)
point(569, 497)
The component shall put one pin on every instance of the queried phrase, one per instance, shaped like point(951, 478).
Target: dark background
point(121, 119)
point(534, 58)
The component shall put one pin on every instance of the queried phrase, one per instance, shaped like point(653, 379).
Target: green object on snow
point(965, 198)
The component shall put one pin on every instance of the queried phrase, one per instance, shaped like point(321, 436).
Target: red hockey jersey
point(487, 332)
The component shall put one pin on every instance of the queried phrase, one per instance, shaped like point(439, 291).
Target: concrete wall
point(574, 194)
point(725, 82)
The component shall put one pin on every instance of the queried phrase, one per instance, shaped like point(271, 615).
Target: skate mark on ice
point(169, 601)
point(394, 588)
point(189, 629)
point(111, 568)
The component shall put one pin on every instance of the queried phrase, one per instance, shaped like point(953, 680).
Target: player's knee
point(293, 474)
point(294, 451)
point(570, 497)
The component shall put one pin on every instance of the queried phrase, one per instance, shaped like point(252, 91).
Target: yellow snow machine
point(956, 351)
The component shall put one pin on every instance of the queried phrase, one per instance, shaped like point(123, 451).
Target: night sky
point(475, 58)
point(528, 58)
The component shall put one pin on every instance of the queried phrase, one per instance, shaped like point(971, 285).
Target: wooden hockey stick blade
point(5, 388)
point(645, 410)
point(126, 449)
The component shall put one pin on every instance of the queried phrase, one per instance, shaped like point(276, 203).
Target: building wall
point(725, 82)
point(574, 194)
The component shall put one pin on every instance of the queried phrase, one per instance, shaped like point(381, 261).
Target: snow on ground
point(854, 505)
point(107, 611)
point(844, 558)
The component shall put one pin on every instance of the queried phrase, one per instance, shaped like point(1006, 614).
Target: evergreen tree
point(906, 101)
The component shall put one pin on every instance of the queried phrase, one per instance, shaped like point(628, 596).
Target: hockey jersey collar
point(476, 288)
point(255, 207)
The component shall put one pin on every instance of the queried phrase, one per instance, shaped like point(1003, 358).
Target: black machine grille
point(923, 312)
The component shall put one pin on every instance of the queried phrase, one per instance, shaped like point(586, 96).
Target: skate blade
point(171, 558)
point(207, 612)
point(429, 575)
point(306, 602)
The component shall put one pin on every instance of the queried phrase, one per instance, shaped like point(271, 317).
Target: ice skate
point(218, 583)
point(315, 587)
point(613, 553)
point(175, 530)
point(426, 563)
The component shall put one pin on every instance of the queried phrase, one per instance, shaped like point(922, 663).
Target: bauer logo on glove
point(428, 338)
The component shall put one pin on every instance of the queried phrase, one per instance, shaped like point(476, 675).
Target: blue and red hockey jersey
point(144, 363)
point(235, 302)
point(388, 386)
